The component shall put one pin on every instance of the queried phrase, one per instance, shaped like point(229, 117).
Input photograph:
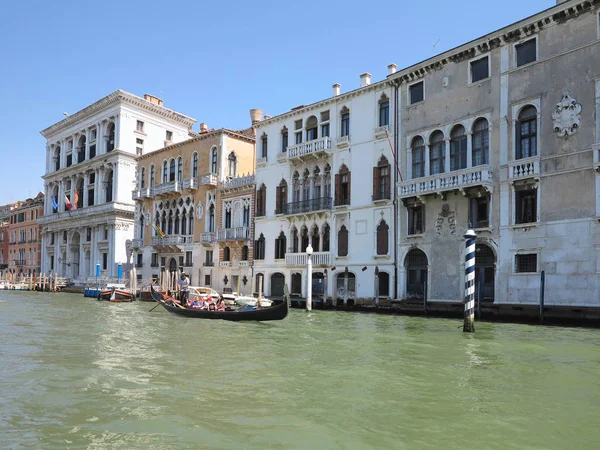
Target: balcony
point(309, 150)
point(261, 162)
point(444, 182)
point(381, 132)
point(207, 239)
point(154, 265)
point(208, 264)
point(343, 141)
point(239, 182)
point(190, 183)
point(137, 243)
point(596, 150)
point(101, 209)
point(300, 259)
point(209, 179)
point(139, 194)
point(233, 234)
point(307, 206)
point(524, 168)
point(139, 265)
point(167, 188)
point(171, 243)
point(20, 262)
point(225, 264)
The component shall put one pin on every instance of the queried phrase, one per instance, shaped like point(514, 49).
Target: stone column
point(97, 185)
point(427, 168)
point(447, 156)
point(408, 163)
point(115, 186)
point(86, 184)
point(469, 149)
point(118, 131)
point(100, 139)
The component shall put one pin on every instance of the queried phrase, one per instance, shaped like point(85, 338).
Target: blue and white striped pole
point(469, 324)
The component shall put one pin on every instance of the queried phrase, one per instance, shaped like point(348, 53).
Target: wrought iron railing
point(305, 206)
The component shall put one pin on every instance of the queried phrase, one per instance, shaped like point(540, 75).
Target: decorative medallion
point(443, 216)
point(199, 210)
point(566, 116)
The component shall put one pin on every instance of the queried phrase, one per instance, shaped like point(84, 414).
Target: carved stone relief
point(566, 116)
point(199, 210)
point(445, 216)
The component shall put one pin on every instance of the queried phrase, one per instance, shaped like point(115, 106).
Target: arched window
point(170, 223)
point(191, 221)
point(110, 144)
point(163, 221)
point(284, 139)
point(304, 239)
point(481, 142)
point(281, 200)
point(176, 228)
point(342, 187)
point(383, 238)
point(245, 253)
point(384, 111)
point(326, 231)
point(316, 183)
point(79, 192)
point(327, 182)
point(527, 133)
point(109, 187)
point(296, 187)
point(345, 117)
point(172, 169)
point(280, 246)
point(384, 284)
point(381, 179)
point(306, 185)
point(316, 239)
point(343, 241)
point(180, 169)
point(294, 235)
point(226, 254)
point(81, 149)
point(311, 128)
point(143, 178)
point(184, 227)
point(232, 165)
point(57, 158)
point(458, 148)
point(151, 176)
point(259, 247)
point(214, 155)
point(416, 273)
point(195, 165)
point(165, 171)
point(211, 219)
point(418, 157)
point(264, 146)
point(261, 201)
point(437, 153)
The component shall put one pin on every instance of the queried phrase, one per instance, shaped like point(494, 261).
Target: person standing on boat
point(183, 284)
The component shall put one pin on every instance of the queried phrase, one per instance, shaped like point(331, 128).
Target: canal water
point(81, 374)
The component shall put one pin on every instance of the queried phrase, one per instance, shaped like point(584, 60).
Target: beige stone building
point(178, 194)
point(24, 231)
point(503, 133)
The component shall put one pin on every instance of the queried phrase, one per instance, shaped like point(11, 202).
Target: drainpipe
point(395, 202)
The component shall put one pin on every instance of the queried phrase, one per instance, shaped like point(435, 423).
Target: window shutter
point(518, 143)
point(338, 188)
point(376, 183)
point(387, 182)
point(278, 199)
point(349, 190)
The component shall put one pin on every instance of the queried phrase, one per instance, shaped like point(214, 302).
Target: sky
point(213, 61)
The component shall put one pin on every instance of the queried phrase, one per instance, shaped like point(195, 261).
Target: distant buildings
point(24, 252)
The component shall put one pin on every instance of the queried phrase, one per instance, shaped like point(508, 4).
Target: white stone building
point(90, 164)
point(323, 177)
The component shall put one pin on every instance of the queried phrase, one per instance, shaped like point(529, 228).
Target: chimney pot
point(392, 69)
point(336, 89)
point(365, 79)
point(266, 117)
point(152, 99)
point(203, 128)
point(255, 116)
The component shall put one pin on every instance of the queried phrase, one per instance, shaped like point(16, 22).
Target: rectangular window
point(69, 159)
point(140, 126)
point(345, 124)
point(416, 219)
point(92, 150)
point(299, 137)
point(416, 93)
point(169, 135)
point(526, 52)
point(154, 260)
point(105, 234)
point(163, 261)
point(104, 261)
point(264, 142)
point(139, 262)
point(526, 263)
point(208, 261)
point(325, 130)
point(526, 205)
point(88, 234)
point(93, 135)
point(384, 113)
point(188, 259)
point(284, 141)
point(206, 280)
point(139, 141)
point(480, 69)
point(139, 151)
point(479, 212)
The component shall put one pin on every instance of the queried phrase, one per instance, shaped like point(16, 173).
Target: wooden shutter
point(387, 182)
point(278, 199)
point(376, 183)
point(349, 190)
point(337, 189)
point(518, 154)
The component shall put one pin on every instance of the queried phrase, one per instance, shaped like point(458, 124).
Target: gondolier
point(183, 285)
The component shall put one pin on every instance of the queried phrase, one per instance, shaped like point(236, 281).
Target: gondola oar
point(158, 303)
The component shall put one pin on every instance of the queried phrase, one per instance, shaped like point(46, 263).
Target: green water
point(81, 374)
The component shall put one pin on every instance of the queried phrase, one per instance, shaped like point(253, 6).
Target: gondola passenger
point(220, 304)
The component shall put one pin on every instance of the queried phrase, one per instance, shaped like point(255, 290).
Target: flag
point(75, 199)
point(159, 232)
point(54, 204)
point(68, 204)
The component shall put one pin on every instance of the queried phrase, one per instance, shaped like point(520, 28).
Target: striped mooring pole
point(469, 324)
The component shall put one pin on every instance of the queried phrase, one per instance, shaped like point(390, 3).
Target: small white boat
point(245, 300)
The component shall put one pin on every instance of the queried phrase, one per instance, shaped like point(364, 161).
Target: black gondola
point(277, 312)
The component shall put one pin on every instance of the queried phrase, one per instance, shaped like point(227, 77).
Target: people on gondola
point(220, 304)
point(183, 286)
point(197, 303)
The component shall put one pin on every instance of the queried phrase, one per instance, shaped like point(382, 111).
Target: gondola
point(115, 295)
point(277, 312)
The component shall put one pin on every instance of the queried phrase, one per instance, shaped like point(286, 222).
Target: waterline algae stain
point(77, 373)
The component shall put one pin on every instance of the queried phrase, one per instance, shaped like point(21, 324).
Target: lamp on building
point(309, 252)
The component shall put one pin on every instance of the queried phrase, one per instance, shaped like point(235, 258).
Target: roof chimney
point(392, 69)
point(203, 128)
point(255, 116)
point(336, 89)
point(152, 99)
point(365, 79)
point(266, 117)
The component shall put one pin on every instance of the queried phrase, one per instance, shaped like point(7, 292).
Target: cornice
point(89, 164)
point(111, 99)
point(529, 26)
point(322, 103)
point(198, 138)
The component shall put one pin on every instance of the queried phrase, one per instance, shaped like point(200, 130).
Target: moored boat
point(115, 295)
point(276, 312)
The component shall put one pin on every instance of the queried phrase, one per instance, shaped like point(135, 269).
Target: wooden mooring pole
point(542, 289)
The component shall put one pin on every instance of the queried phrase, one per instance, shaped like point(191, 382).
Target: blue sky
point(209, 60)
